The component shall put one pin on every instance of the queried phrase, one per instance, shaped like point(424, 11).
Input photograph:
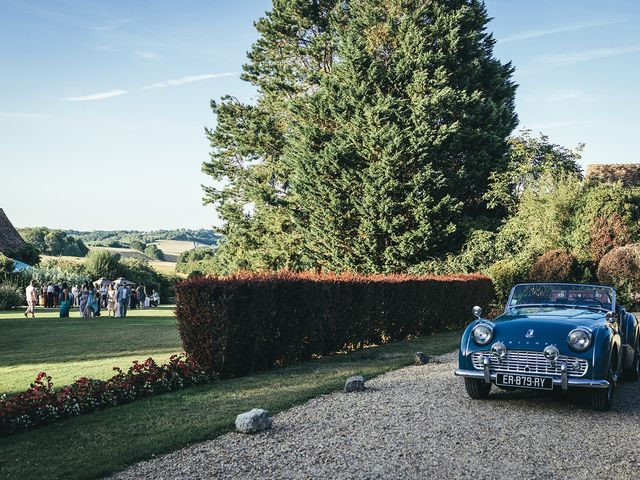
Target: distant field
point(124, 252)
point(171, 248)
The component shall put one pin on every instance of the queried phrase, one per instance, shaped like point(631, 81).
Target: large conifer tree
point(372, 141)
point(295, 49)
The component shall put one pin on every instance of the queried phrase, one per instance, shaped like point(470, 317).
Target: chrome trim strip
point(571, 382)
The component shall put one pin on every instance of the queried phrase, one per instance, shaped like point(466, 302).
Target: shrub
point(555, 266)
point(100, 263)
point(195, 260)
point(607, 232)
point(620, 268)
point(247, 322)
point(137, 245)
point(6, 265)
point(54, 275)
point(153, 251)
point(507, 273)
point(41, 404)
point(10, 296)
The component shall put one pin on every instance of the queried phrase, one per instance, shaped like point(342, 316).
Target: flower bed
point(42, 404)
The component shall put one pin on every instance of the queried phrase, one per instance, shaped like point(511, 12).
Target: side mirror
point(612, 317)
point(477, 312)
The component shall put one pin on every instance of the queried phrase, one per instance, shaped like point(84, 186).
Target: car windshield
point(554, 295)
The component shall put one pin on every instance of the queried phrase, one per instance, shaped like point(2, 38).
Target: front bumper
point(561, 381)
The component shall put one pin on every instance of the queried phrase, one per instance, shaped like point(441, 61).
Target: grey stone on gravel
point(421, 358)
point(253, 421)
point(418, 422)
point(354, 384)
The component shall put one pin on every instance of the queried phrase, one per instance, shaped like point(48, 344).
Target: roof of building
point(627, 173)
point(10, 239)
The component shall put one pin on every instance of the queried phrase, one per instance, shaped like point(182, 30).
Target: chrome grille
point(521, 361)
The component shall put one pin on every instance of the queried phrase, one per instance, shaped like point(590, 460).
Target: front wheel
point(476, 388)
point(602, 398)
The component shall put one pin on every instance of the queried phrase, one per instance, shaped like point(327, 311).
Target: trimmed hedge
point(247, 322)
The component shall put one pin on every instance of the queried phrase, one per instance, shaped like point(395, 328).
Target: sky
point(104, 103)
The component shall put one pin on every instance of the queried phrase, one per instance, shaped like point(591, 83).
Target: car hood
point(546, 325)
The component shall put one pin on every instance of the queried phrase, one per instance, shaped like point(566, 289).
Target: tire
point(476, 388)
point(602, 398)
point(632, 374)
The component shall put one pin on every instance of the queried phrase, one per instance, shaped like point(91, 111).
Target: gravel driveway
point(418, 422)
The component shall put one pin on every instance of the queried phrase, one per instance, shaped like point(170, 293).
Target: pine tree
point(393, 158)
point(370, 145)
point(294, 51)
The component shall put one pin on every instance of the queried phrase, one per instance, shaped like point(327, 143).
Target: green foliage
point(53, 274)
point(100, 263)
point(608, 215)
point(478, 253)
point(153, 251)
point(121, 237)
point(29, 254)
point(6, 265)
point(137, 245)
point(197, 259)
point(371, 142)
point(529, 160)
point(10, 296)
point(507, 273)
point(54, 242)
point(544, 220)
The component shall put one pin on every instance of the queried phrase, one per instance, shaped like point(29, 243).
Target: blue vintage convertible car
point(553, 336)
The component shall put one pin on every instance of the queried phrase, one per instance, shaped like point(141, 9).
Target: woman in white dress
point(111, 300)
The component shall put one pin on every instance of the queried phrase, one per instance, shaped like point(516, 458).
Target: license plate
point(524, 381)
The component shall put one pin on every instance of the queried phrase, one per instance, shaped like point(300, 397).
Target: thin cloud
point(577, 96)
point(188, 79)
point(554, 31)
point(147, 55)
point(104, 48)
point(564, 59)
point(112, 24)
point(97, 96)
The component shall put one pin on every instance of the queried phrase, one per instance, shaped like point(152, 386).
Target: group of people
point(117, 299)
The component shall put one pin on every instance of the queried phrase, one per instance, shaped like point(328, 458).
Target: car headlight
point(482, 333)
point(579, 339)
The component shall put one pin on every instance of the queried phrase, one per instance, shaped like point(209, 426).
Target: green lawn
point(69, 348)
point(93, 445)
